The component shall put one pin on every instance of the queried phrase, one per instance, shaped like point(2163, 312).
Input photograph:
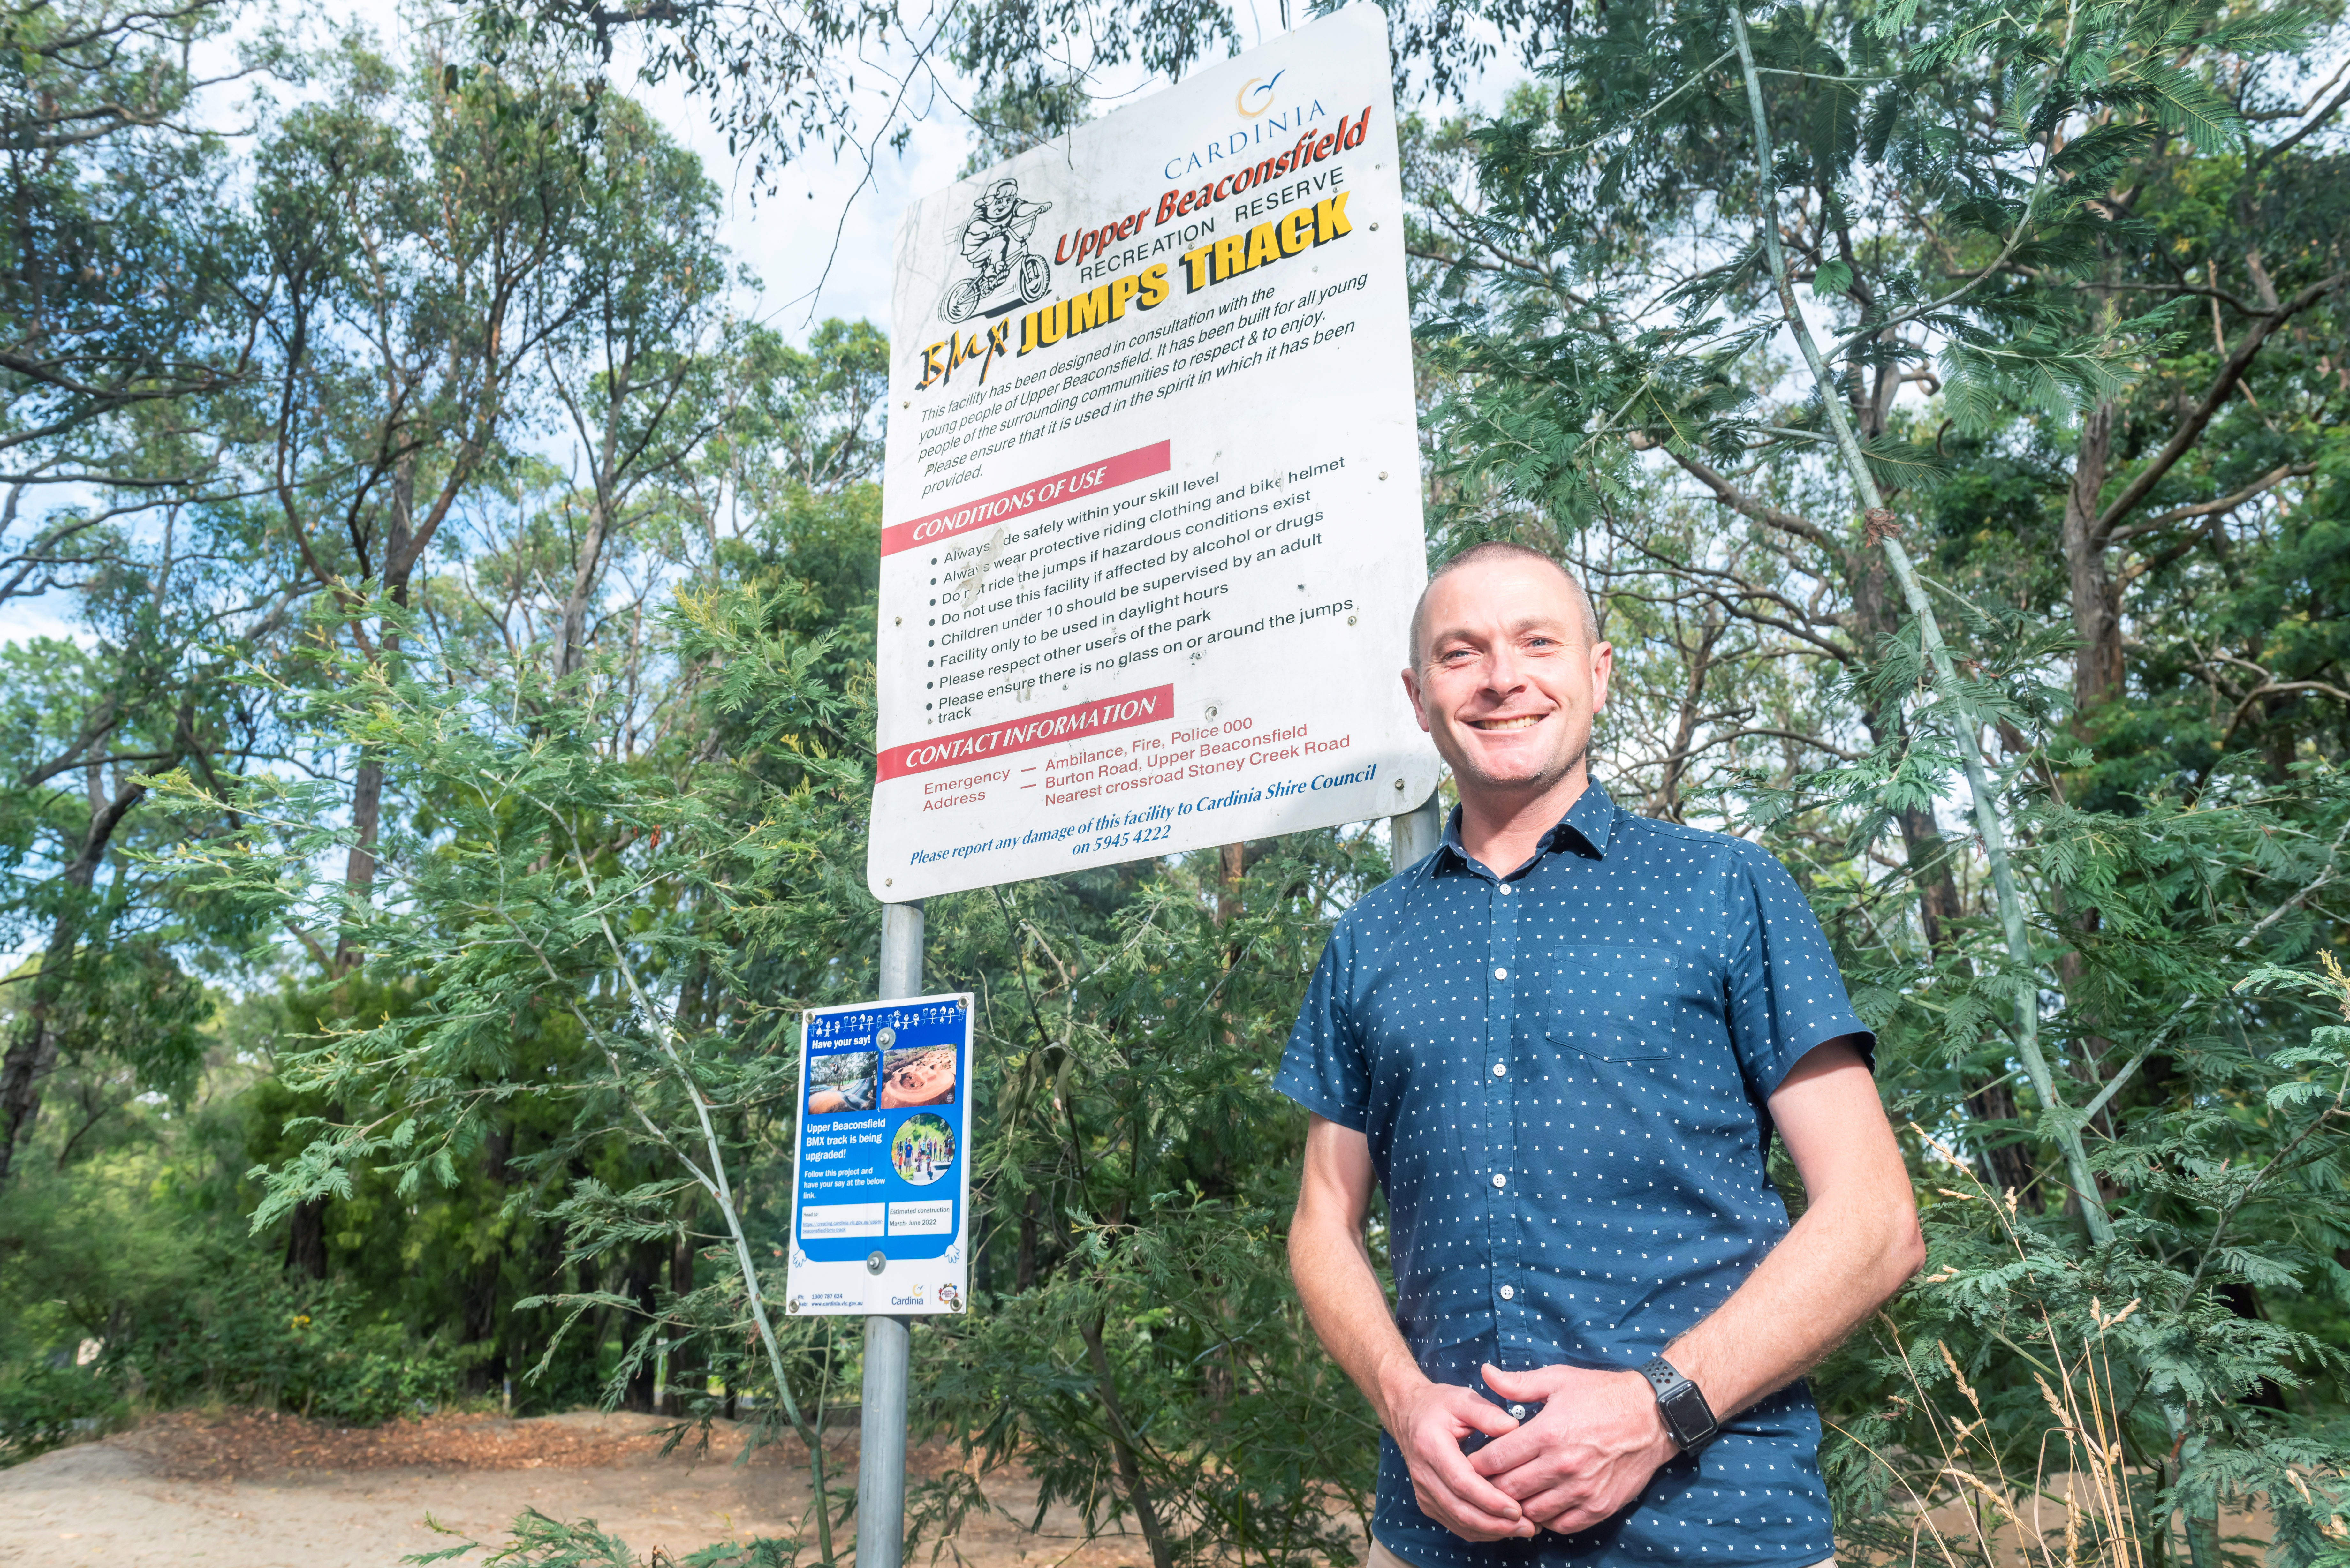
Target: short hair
point(1501, 549)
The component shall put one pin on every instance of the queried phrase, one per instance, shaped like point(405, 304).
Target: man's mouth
point(1513, 722)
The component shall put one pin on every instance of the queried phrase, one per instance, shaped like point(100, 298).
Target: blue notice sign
point(882, 1189)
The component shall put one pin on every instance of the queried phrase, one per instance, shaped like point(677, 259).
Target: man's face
point(1508, 681)
point(998, 204)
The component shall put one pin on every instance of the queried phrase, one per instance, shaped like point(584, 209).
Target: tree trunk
point(305, 1239)
point(1121, 1442)
point(1665, 802)
point(367, 787)
point(574, 650)
point(1023, 1265)
point(2006, 1163)
point(33, 1055)
point(682, 1381)
point(644, 1273)
point(2096, 597)
point(479, 1311)
point(1231, 865)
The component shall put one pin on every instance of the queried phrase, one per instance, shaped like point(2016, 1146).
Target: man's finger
point(1480, 1415)
point(1537, 1384)
point(1506, 1453)
point(1449, 1468)
point(1564, 1506)
point(1458, 1514)
point(1437, 1461)
point(1466, 1522)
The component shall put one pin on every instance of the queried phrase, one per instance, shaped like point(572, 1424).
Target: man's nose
point(1501, 672)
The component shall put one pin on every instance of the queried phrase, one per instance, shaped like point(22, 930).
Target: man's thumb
point(1537, 1382)
point(1481, 1414)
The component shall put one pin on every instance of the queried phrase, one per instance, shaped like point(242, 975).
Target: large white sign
point(1151, 525)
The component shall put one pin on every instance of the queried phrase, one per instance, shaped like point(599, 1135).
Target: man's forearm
point(1343, 1301)
point(1841, 1261)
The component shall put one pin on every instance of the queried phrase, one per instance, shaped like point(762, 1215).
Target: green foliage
point(539, 1542)
point(249, 1336)
point(45, 1407)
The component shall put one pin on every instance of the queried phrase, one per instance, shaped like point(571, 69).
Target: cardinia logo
point(913, 1300)
point(1256, 94)
point(1271, 113)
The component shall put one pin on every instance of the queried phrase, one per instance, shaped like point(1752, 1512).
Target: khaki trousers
point(1380, 1557)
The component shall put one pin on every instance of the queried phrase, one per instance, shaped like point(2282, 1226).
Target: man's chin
point(1511, 775)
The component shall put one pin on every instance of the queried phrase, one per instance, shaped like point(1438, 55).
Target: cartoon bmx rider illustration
point(995, 243)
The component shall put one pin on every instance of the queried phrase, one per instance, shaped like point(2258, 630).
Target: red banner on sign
point(1149, 707)
point(1035, 496)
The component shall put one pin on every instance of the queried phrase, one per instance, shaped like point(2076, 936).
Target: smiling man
point(1561, 1043)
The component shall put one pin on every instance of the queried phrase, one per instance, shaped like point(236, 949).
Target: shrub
point(45, 1407)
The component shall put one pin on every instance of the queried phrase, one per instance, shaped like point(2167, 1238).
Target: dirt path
point(259, 1492)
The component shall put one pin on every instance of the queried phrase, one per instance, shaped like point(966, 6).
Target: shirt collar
point(1584, 828)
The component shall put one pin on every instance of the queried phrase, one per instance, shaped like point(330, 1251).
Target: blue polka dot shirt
point(1563, 1073)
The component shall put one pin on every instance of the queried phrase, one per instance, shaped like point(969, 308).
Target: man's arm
point(1349, 1311)
point(1600, 1437)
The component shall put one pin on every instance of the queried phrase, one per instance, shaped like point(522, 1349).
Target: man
point(1561, 1043)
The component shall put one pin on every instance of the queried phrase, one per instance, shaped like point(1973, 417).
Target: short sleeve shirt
point(1563, 1073)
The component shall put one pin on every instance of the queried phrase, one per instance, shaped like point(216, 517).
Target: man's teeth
point(1522, 722)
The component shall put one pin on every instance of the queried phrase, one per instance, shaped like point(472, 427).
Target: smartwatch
point(1688, 1418)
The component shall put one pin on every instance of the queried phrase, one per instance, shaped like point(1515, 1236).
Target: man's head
point(1508, 670)
point(1000, 198)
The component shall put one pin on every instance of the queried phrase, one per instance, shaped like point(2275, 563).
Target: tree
point(127, 327)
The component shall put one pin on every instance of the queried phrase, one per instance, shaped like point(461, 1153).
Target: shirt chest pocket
point(1613, 1004)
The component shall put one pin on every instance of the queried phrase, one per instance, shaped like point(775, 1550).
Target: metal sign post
point(1417, 832)
point(881, 1419)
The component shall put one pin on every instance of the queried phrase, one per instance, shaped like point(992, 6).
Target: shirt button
point(1500, 1180)
point(1509, 1293)
point(1500, 1069)
point(1506, 889)
point(1501, 975)
point(1517, 1412)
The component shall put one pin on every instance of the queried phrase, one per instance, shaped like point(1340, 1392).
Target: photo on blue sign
point(924, 1149)
point(924, 1076)
point(845, 1081)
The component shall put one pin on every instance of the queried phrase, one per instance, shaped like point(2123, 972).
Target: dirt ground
point(262, 1491)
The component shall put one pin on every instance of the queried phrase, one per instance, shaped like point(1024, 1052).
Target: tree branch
point(2191, 428)
point(2267, 481)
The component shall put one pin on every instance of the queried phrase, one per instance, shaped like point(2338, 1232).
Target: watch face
point(1686, 1414)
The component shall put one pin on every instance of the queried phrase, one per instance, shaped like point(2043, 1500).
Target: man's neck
point(1500, 828)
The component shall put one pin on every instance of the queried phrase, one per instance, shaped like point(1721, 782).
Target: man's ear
point(1603, 665)
point(1412, 690)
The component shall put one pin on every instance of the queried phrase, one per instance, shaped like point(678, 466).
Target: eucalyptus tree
point(638, 371)
point(111, 298)
point(128, 308)
point(85, 725)
point(420, 223)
